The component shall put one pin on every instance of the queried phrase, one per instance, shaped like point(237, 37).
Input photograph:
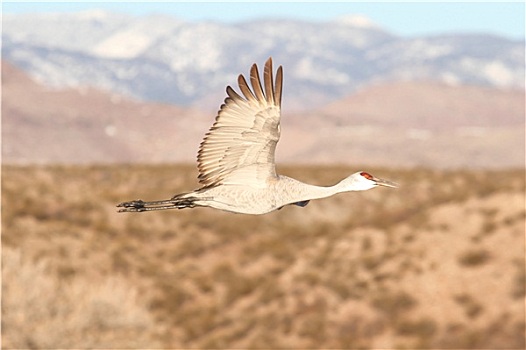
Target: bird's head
point(362, 181)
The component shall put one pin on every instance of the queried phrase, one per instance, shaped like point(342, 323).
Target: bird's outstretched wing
point(239, 148)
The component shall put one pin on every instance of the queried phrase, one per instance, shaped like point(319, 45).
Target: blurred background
point(105, 102)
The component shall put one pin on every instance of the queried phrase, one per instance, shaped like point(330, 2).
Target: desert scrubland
point(436, 263)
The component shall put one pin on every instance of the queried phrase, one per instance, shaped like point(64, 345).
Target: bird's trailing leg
point(174, 203)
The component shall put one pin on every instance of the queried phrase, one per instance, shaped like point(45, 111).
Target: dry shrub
point(474, 257)
point(518, 290)
point(41, 311)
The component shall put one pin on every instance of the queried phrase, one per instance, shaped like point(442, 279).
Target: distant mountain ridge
point(164, 59)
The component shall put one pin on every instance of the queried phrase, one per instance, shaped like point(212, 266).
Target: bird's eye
point(366, 175)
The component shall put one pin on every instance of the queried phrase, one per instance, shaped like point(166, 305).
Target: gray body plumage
point(257, 200)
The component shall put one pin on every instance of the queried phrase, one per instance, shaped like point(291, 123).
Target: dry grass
point(41, 310)
point(437, 263)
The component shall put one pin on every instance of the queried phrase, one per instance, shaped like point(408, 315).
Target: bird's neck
point(342, 186)
point(318, 192)
point(300, 191)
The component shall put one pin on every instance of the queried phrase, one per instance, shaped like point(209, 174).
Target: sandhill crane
point(236, 158)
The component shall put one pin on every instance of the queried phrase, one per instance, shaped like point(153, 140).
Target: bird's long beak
point(386, 183)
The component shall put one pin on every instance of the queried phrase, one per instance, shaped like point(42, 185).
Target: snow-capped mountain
point(162, 58)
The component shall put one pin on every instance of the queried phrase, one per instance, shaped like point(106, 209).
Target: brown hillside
point(430, 105)
point(43, 125)
point(396, 124)
point(415, 124)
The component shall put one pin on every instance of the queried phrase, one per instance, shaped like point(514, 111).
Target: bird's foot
point(174, 203)
point(132, 206)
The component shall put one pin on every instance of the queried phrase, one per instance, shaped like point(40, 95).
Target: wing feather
point(268, 80)
point(278, 86)
point(256, 83)
point(245, 89)
point(239, 148)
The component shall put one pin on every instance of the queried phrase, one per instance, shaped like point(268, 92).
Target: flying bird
point(236, 158)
